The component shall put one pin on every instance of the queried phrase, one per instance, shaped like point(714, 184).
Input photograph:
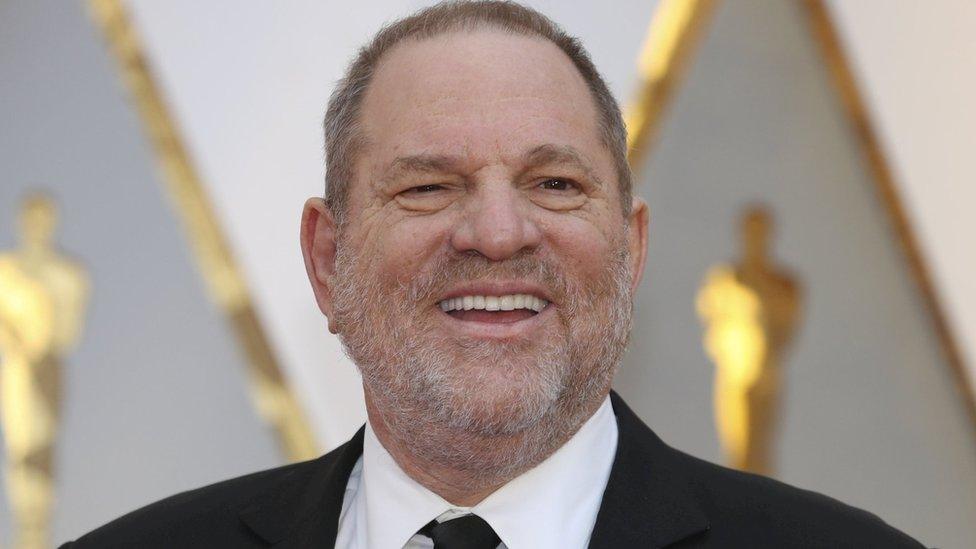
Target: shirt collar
point(553, 504)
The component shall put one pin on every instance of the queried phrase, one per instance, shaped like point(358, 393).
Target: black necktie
point(467, 532)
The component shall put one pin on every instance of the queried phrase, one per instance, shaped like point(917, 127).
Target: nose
point(496, 223)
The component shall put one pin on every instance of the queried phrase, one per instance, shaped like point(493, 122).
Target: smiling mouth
point(503, 309)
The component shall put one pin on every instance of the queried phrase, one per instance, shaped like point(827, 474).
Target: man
point(477, 251)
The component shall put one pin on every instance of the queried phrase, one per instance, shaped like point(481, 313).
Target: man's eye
point(428, 197)
point(421, 189)
point(557, 185)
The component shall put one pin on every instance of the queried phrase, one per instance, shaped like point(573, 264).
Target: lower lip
point(501, 325)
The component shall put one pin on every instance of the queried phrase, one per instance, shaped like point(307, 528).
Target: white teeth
point(509, 302)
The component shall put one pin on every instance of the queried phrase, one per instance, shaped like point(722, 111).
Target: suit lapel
point(649, 499)
point(303, 510)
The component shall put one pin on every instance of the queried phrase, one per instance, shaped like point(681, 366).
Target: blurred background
point(808, 309)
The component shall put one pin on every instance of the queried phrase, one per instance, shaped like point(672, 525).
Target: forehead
point(477, 94)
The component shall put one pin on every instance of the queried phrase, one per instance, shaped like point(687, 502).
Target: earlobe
point(318, 241)
point(637, 240)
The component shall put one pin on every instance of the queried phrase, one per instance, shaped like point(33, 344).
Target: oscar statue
point(43, 296)
point(749, 310)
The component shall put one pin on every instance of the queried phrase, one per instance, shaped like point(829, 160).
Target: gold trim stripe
point(834, 57)
point(275, 402)
point(675, 30)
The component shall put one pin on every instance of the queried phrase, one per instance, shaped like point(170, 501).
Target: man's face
point(486, 269)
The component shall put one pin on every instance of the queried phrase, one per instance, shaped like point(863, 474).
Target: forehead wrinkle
point(540, 155)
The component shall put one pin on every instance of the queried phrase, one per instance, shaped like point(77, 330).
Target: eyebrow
point(540, 155)
point(549, 153)
point(425, 163)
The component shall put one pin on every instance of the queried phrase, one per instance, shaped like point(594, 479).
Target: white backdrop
point(915, 62)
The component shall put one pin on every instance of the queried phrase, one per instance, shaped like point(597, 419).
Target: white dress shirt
point(553, 505)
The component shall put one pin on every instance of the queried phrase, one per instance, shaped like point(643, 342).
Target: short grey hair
point(343, 138)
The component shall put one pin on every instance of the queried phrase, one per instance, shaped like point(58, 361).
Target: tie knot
point(467, 532)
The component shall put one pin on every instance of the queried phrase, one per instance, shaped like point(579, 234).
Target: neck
point(473, 465)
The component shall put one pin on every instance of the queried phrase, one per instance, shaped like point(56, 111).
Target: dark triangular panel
point(871, 413)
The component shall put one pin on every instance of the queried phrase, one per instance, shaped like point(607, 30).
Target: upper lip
point(497, 288)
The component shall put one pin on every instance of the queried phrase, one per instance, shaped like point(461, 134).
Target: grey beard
point(436, 410)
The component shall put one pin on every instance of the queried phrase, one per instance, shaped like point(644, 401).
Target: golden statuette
point(43, 295)
point(749, 310)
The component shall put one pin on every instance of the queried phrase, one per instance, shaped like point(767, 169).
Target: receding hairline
point(362, 137)
point(469, 28)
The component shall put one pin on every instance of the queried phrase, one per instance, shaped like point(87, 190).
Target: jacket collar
point(648, 500)
point(302, 510)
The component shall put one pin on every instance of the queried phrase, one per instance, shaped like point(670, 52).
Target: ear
point(637, 240)
point(318, 239)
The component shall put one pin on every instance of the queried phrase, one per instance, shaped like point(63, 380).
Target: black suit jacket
point(656, 497)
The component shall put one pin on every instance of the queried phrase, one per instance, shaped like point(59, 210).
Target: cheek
point(581, 246)
point(398, 248)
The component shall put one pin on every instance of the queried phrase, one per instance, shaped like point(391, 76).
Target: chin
point(498, 397)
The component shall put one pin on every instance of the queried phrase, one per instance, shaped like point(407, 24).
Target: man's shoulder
point(681, 498)
point(203, 517)
point(745, 507)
